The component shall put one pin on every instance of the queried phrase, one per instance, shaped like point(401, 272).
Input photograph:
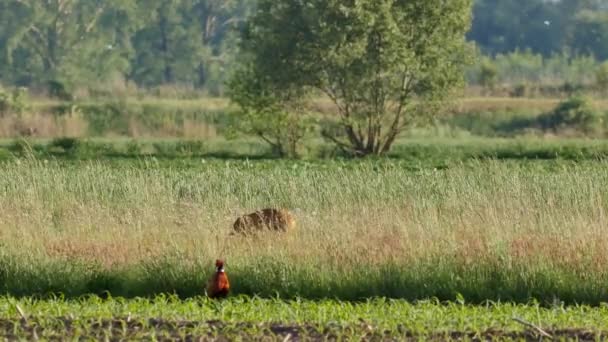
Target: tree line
point(70, 43)
point(543, 26)
point(66, 44)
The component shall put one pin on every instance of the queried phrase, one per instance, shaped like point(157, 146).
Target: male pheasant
point(218, 286)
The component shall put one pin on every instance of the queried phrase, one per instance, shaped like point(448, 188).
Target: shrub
point(15, 101)
point(68, 145)
point(107, 117)
point(601, 77)
point(488, 75)
point(59, 90)
point(576, 113)
point(134, 148)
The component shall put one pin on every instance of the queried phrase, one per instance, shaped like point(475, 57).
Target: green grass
point(244, 317)
point(419, 151)
point(509, 231)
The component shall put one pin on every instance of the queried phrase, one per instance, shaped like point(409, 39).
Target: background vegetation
point(370, 229)
point(123, 165)
point(76, 48)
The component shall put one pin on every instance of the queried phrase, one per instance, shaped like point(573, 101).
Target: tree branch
point(395, 127)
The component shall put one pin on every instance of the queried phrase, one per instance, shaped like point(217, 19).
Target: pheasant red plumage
point(218, 286)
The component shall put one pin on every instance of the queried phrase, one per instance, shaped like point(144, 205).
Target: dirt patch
point(63, 328)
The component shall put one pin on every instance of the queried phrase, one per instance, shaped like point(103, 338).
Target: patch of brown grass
point(43, 125)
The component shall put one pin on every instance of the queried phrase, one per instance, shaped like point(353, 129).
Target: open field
point(493, 230)
point(451, 215)
point(374, 320)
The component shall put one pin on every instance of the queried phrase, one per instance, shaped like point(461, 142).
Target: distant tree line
point(71, 43)
point(543, 26)
point(63, 45)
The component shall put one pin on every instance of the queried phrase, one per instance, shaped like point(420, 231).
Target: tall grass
point(485, 230)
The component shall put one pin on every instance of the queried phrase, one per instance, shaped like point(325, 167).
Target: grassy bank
point(484, 230)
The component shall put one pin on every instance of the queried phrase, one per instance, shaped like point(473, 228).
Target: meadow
point(464, 226)
point(484, 230)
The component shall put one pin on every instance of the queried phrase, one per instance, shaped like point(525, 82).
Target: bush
point(15, 101)
point(488, 75)
point(601, 77)
point(107, 117)
point(576, 113)
point(68, 145)
point(59, 90)
point(134, 148)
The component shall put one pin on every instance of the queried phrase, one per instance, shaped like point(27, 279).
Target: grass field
point(484, 230)
point(452, 236)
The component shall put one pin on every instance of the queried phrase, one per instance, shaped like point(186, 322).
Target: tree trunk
point(164, 47)
point(202, 75)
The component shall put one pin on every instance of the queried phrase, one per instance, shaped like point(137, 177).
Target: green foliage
point(488, 75)
point(15, 101)
point(274, 115)
point(106, 48)
point(59, 90)
point(166, 50)
point(351, 210)
point(77, 148)
point(243, 318)
point(66, 42)
point(576, 113)
point(546, 27)
point(371, 58)
point(80, 43)
point(419, 151)
point(107, 117)
point(547, 73)
point(180, 148)
point(601, 77)
point(66, 144)
point(590, 36)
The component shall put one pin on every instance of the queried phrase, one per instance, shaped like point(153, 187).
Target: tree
point(488, 74)
point(57, 40)
point(590, 36)
point(167, 48)
point(217, 21)
point(543, 26)
point(383, 63)
point(277, 116)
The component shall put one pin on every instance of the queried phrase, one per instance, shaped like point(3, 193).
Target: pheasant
point(218, 286)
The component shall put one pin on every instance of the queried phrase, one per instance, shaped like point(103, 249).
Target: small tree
point(488, 75)
point(383, 63)
point(275, 116)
